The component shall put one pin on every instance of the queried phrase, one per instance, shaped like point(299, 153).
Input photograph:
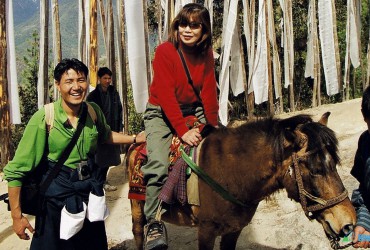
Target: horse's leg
point(206, 237)
point(138, 222)
point(228, 241)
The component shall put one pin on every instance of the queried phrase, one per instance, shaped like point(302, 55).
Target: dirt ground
point(278, 224)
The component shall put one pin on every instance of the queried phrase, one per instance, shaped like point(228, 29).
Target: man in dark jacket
point(106, 96)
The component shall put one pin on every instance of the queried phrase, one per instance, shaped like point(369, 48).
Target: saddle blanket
point(175, 186)
point(181, 185)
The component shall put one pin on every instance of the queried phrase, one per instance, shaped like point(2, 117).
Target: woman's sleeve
point(209, 91)
point(30, 150)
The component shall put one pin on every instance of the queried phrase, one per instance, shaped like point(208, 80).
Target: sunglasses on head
point(192, 25)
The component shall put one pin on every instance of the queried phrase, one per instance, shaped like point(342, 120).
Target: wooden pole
point(103, 25)
point(271, 109)
point(290, 41)
point(336, 44)
point(81, 31)
point(43, 79)
point(275, 60)
point(111, 52)
point(251, 48)
point(316, 53)
point(146, 35)
point(121, 51)
point(170, 13)
point(160, 21)
point(93, 43)
point(57, 45)
point(5, 130)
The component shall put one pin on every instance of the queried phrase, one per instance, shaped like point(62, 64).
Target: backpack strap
point(49, 115)
point(92, 112)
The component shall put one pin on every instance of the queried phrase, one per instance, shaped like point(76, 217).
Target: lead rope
point(335, 245)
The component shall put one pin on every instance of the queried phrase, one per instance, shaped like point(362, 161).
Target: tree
point(28, 88)
point(4, 104)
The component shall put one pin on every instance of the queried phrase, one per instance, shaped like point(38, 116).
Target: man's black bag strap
point(58, 166)
point(190, 81)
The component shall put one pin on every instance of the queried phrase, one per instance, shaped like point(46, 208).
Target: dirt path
point(278, 224)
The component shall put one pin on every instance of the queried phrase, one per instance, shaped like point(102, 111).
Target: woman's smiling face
point(190, 32)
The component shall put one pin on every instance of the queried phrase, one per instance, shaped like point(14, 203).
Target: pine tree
point(28, 88)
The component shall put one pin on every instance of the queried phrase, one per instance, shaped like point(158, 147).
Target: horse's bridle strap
point(303, 194)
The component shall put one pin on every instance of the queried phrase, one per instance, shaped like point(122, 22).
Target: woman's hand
point(360, 244)
point(192, 137)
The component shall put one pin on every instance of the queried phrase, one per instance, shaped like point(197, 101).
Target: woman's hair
point(67, 64)
point(199, 14)
point(365, 105)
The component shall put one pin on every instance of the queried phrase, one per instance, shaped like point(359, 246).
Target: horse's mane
point(321, 136)
point(278, 130)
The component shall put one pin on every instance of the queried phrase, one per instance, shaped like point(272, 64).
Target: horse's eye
point(317, 171)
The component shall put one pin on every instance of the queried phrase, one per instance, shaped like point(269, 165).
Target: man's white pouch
point(97, 209)
point(71, 224)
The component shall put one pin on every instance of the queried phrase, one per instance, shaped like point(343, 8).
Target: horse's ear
point(324, 118)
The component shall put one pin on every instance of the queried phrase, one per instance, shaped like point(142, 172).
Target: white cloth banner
point(180, 3)
point(354, 31)
point(136, 53)
point(236, 71)
point(309, 69)
point(260, 71)
point(164, 4)
point(288, 38)
point(15, 114)
point(328, 48)
point(224, 73)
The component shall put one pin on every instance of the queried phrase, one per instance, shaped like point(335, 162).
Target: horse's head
point(311, 177)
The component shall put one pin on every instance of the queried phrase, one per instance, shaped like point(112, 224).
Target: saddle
point(175, 185)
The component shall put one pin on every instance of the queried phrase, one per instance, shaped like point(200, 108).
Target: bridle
point(304, 194)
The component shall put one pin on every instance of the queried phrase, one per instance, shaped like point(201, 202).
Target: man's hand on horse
point(141, 137)
point(192, 137)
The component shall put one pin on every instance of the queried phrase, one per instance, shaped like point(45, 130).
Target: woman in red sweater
point(170, 95)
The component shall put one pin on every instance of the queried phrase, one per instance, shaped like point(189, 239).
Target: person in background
point(170, 95)
point(361, 171)
point(67, 190)
point(107, 98)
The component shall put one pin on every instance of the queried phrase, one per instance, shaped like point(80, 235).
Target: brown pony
point(251, 162)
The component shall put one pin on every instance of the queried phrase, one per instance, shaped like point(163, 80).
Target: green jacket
point(32, 145)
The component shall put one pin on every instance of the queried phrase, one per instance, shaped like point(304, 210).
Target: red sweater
point(170, 87)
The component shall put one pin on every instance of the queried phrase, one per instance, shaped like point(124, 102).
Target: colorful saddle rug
point(175, 185)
